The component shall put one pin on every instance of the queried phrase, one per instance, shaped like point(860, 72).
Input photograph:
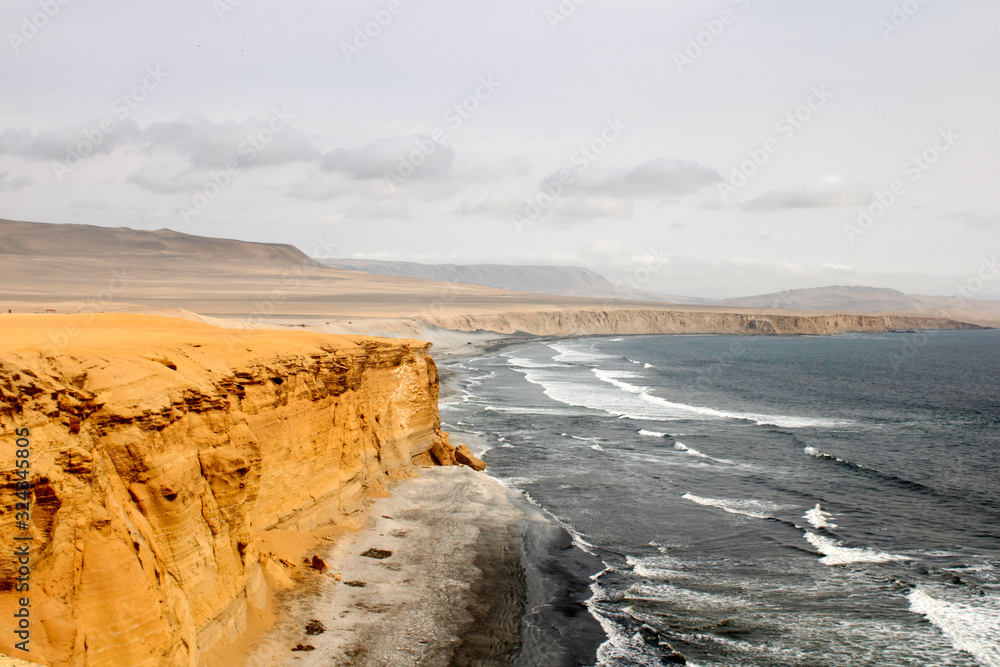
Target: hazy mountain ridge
point(539, 279)
point(859, 299)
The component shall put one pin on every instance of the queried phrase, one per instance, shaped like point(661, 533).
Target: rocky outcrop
point(466, 458)
point(621, 321)
point(159, 452)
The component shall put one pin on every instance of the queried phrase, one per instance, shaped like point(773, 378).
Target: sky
point(711, 149)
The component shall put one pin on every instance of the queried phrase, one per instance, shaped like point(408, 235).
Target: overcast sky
point(712, 149)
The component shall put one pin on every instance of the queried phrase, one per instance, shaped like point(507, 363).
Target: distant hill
point(853, 299)
point(840, 298)
point(555, 280)
point(109, 244)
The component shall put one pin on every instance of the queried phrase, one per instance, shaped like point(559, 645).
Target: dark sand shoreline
point(449, 592)
point(476, 576)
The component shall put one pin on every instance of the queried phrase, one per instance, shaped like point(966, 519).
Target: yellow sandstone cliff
point(160, 448)
point(616, 321)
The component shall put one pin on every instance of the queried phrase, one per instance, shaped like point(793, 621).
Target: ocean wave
point(681, 447)
point(522, 362)
point(972, 626)
point(691, 599)
point(820, 519)
point(622, 648)
point(895, 479)
point(757, 509)
point(524, 410)
point(571, 355)
point(683, 410)
point(655, 567)
point(653, 434)
point(835, 553)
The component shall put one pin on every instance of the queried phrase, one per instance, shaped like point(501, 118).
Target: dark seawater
point(763, 501)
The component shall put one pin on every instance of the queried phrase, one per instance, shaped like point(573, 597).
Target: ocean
point(764, 501)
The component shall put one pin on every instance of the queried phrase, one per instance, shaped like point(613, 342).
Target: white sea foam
point(524, 410)
point(597, 447)
point(835, 553)
point(652, 434)
point(680, 446)
point(812, 451)
point(972, 626)
point(569, 354)
point(647, 365)
point(523, 362)
point(820, 519)
point(690, 599)
point(671, 410)
point(757, 509)
point(620, 649)
point(656, 567)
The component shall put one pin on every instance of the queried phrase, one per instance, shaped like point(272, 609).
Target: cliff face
point(619, 321)
point(160, 448)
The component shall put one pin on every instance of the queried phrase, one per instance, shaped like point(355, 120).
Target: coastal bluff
point(161, 453)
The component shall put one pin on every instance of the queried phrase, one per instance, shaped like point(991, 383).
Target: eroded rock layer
point(620, 321)
point(159, 448)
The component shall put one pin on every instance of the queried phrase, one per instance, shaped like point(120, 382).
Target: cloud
point(415, 156)
point(664, 176)
point(83, 140)
point(167, 177)
point(8, 184)
point(255, 142)
point(659, 177)
point(973, 220)
point(829, 191)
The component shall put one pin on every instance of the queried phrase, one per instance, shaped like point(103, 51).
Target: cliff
point(620, 321)
point(160, 452)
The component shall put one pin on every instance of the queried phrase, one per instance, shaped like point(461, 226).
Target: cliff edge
point(158, 451)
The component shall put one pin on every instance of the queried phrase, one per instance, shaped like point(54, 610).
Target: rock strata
point(162, 451)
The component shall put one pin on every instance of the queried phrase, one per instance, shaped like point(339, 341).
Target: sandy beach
point(434, 578)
